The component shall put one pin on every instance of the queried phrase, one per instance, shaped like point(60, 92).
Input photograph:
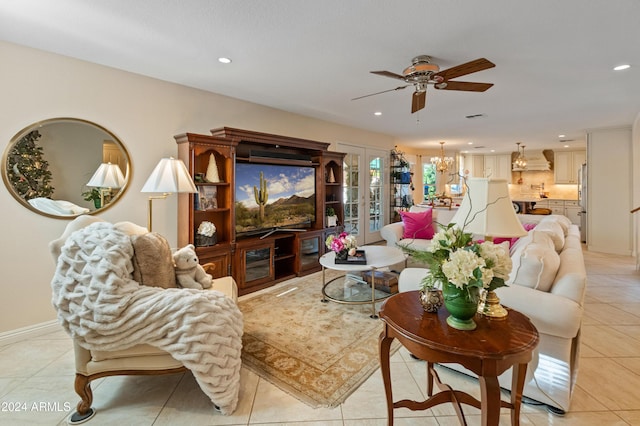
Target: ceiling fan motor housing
point(420, 70)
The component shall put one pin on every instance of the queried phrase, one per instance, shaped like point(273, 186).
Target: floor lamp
point(169, 176)
point(486, 209)
point(107, 176)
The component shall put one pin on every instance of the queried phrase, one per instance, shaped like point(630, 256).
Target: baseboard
point(29, 332)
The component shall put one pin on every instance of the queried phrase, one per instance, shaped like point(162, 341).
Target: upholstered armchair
point(94, 360)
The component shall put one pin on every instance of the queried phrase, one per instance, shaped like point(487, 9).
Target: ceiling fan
point(422, 72)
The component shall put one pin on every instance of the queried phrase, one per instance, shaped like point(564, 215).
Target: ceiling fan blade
point(384, 91)
point(388, 74)
point(418, 100)
point(466, 68)
point(464, 85)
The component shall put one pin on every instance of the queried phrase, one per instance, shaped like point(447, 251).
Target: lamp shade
point(170, 175)
point(487, 210)
point(107, 176)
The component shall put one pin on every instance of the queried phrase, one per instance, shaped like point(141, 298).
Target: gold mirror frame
point(72, 149)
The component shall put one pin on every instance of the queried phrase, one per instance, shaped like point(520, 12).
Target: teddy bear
point(189, 273)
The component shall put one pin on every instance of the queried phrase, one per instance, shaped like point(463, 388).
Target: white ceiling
point(553, 58)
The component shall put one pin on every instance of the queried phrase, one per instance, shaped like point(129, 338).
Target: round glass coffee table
point(350, 288)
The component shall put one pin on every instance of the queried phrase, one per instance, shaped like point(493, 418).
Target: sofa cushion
point(418, 225)
point(535, 262)
point(563, 221)
point(555, 232)
point(152, 261)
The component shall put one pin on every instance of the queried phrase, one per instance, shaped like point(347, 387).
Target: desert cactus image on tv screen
point(272, 196)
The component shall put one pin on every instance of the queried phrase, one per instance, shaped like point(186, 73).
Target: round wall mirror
point(65, 167)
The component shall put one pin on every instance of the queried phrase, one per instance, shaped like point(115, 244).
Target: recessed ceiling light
point(377, 113)
point(493, 150)
point(224, 60)
point(622, 67)
point(561, 136)
point(469, 143)
point(566, 146)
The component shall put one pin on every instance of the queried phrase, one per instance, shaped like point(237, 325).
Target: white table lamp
point(107, 176)
point(487, 210)
point(169, 176)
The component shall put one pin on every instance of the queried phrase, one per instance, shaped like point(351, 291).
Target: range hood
point(536, 162)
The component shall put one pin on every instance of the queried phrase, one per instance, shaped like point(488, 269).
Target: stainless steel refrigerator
point(582, 200)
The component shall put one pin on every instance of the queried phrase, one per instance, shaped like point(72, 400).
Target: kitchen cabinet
point(572, 210)
point(568, 208)
point(496, 166)
point(567, 164)
point(474, 164)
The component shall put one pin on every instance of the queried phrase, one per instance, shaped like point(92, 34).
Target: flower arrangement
point(455, 258)
point(206, 234)
point(207, 229)
point(342, 243)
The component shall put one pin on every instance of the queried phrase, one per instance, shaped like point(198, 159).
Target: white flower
point(460, 266)
point(496, 258)
point(207, 229)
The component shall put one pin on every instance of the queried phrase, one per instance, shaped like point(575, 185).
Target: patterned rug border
point(301, 390)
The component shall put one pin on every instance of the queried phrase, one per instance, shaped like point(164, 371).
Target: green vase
point(462, 304)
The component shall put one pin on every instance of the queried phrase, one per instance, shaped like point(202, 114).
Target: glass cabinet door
point(257, 264)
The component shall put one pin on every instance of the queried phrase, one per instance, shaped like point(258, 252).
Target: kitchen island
point(568, 208)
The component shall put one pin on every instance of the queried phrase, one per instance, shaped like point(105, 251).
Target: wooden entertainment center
point(256, 261)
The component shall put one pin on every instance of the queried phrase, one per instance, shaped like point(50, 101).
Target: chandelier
point(442, 163)
point(521, 161)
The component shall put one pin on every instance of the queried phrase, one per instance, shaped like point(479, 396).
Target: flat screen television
point(273, 197)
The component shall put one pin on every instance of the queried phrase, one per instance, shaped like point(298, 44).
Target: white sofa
point(555, 307)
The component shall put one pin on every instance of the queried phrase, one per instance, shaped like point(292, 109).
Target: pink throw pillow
point(418, 225)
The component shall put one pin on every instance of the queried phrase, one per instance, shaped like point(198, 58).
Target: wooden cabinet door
point(310, 248)
point(221, 263)
point(254, 264)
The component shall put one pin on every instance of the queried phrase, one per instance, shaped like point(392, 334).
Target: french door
point(365, 196)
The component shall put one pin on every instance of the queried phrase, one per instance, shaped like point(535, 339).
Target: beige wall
point(145, 114)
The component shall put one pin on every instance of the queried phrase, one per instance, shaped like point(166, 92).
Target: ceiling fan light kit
point(422, 72)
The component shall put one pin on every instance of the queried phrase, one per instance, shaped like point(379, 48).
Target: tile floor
point(36, 379)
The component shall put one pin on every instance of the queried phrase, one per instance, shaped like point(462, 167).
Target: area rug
point(318, 352)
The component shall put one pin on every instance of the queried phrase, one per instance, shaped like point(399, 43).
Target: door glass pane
point(429, 181)
point(257, 263)
point(351, 193)
point(375, 194)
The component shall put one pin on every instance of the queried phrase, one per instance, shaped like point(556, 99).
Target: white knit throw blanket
point(102, 308)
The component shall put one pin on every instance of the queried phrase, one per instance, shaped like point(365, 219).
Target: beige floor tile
point(189, 402)
point(609, 341)
point(132, 399)
point(583, 401)
point(605, 418)
point(604, 313)
point(369, 400)
point(631, 417)
point(26, 358)
point(274, 405)
point(38, 401)
point(611, 384)
point(632, 308)
point(587, 351)
point(401, 421)
point(302, 423)
point(632, 364)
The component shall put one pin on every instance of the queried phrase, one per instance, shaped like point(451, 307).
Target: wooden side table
point(488, 351)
